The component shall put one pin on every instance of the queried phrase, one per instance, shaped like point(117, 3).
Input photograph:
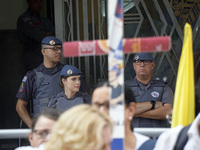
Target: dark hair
point(102, 84)
point(129, 95)
point(47, 112)
point(61, 83)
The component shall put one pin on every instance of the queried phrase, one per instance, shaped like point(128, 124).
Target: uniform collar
point(144, 86)
point(75, 95)
point(138, 82)
point(50, 71)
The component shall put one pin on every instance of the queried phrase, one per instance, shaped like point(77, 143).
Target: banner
point(131, 45)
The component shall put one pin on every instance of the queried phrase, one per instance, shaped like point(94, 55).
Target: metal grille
point(87, 20)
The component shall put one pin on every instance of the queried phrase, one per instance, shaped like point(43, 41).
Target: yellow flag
point(184, 99)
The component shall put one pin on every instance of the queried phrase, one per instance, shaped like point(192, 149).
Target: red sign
point(100, 47)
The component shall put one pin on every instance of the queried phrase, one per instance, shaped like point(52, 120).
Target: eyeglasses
point(145, 62)
point(105, 104)
point(55, 49)
point(41, 134)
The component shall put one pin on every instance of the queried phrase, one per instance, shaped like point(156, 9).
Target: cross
point(115, 47)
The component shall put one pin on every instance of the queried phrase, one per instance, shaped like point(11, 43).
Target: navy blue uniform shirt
point(28, 89)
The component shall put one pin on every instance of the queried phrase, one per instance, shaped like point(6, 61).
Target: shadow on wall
point(12, 72)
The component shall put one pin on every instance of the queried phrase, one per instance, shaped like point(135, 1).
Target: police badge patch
point(69, 72)
point(24, 79)
point(136, 57)
point(21, 89)
point(52, 42)
point(154, 94)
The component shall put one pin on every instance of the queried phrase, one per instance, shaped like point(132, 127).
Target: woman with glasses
point(70, 96)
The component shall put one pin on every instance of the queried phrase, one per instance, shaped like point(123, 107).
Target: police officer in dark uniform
point(42, 82)
point(154, 97)
point(32, 28)
point(70, 96)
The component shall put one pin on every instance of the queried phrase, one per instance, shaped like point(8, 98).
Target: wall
point(12, 70)
point(9, 12)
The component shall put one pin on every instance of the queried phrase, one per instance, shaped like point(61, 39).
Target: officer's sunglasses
point(145, 62)
point(55, 49)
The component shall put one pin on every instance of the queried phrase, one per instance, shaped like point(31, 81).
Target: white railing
point(14, 133)
point(23, 133)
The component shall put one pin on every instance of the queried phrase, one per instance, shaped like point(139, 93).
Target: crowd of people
point(57, 90)
point(66, 116)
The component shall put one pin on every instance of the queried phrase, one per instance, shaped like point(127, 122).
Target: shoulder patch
point(21, 89)
point(154, 94)
point(24, 79)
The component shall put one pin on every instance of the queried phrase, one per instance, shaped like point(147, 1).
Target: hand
point(158, 104)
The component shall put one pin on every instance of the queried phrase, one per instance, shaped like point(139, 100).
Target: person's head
point(41, 126)
point(101, 96)
point(35, 5)
point(82, 127)
point(130, 106)
point(143, 64)
point(51, 49)
point(70, 78)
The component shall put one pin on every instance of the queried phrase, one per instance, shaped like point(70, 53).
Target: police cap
point(51, 40)
point(143, 56)
point(69, 70)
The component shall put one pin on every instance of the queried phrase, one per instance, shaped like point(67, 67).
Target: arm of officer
point(157, 113)
point(145, 106)
point(23, 112)
point(161, 109)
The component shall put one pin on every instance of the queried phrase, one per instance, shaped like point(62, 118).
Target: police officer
point(154, 97)
point(41, 83)
point(32, 28)
point(70, 96)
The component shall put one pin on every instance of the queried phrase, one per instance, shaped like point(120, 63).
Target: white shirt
point(193, 135)
point(140, 139)
point(170, 137)
point(41, 147)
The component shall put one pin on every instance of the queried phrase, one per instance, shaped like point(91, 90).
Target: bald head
point(100, 98)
